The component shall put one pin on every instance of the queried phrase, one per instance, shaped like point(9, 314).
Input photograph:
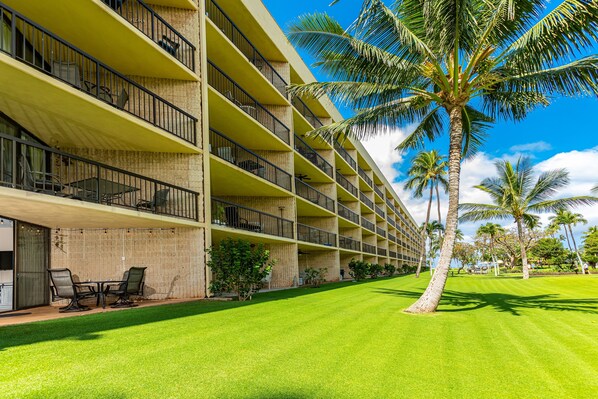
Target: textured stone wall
point(174, 257)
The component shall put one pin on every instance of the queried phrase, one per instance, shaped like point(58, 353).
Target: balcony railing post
point(13, 35)
point(98, 183)
point(97, 80)
point(153, 26)
point(14, 164)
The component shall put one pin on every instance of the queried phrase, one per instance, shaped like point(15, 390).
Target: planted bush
point(389, 269)
point(315, 277)
point(238, 266)
point(358, 269)
point(375, 270)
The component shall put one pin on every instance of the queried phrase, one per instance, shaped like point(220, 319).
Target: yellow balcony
point(128, 36)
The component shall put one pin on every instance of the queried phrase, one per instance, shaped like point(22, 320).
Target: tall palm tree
point(434, 231)
point(428, 170)
point(516, 195)
point(490, 230)
point(567, 219)
point(448, 65)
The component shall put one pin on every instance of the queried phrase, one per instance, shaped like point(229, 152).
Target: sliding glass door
point(32, 259)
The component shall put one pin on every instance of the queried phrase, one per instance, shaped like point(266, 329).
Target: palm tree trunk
point(567, 235)
point(430, 299)
point(424, 234)
point(523, 251)
point(576, 251)
point(438, 203)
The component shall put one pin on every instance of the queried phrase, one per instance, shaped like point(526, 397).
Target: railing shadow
point(513, 304)
point(91, 326)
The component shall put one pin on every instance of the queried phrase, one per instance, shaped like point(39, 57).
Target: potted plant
point(219, 216)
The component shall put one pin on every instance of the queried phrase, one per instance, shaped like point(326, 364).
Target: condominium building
point(141, 133)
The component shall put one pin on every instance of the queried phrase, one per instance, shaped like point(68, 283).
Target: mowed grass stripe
point(493, 337)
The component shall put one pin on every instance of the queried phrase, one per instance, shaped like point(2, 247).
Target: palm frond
point(431, 127)
point(479, 212)
point(575, 78)
point(475, 129)
point(568, 29)
point(547, 185)
point(561, 203)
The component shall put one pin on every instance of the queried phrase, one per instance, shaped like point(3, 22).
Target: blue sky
point(562, 135)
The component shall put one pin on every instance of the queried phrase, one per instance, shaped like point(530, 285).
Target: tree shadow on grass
point(90, 327)
point(513, 304)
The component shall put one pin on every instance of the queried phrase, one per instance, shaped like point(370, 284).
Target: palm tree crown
point(445, 63)
point(517, 194)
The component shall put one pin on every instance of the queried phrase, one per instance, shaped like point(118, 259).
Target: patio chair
point(169, 45)
point(132, 284)
point(63, 287)
point(159, 200)
point(37, 180)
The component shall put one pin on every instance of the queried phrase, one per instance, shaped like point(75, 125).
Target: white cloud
point(382, 150)
point(538, 146)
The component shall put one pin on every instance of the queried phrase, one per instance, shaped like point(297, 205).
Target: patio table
point(106, 190)
point(99, 289)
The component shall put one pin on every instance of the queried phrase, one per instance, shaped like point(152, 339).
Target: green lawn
point(493, 338)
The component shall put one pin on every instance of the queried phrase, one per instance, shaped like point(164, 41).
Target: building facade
point(136, 133)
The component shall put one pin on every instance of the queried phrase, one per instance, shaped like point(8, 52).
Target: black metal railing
point(370, 249)
point(379, 192)
point(381, 251)
point(391, 221)
point(392, 237)
point(237, 216)
point(230, 30)
point(312, 155)
point(392, 254)
point(366, 200)
point(230, 151)
point(347, 213)
point(311, 194)
point(244, 101)
point(348, 243)
point(368, 225)
point(345, 155)
point(31, 44)
point(365, 177)
point(152, 25)
point(391, 205)
point(347, 185)
point(26, 165)
point(306, 112)
point(381, 231)
point(379, 211)
point(316, 236)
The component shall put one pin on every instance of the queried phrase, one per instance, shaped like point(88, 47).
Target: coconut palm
point(451, 66)
point(490, 230)
point(428, 170)
point(567, 219)
point(516, 195)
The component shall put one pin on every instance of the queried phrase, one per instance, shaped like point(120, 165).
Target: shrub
point(375, 270)
point(315, 277)
point(389, 269)
point(358, 269)
point(238, 266)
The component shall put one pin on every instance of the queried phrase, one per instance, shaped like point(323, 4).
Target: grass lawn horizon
point(492, 338)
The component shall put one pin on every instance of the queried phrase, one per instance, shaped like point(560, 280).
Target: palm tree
point(428, 169)
point(567, 219)
point(515, 195)
point(434, 231)
point(491, 230)
point(451, 66)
